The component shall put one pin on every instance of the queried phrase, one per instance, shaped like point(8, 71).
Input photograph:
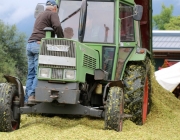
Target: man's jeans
point(32, 51)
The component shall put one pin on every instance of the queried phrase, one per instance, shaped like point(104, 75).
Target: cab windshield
point(99, 22)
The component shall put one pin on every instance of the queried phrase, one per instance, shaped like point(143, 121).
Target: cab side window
point(127, 23)
point(108, 59)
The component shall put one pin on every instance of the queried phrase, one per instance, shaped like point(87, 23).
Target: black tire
point(114, 109)
point(8, 94)
point(137, 91)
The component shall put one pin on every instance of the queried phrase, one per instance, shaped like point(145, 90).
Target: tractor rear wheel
point(9, 118)
point(114, 109)
point(137, 91)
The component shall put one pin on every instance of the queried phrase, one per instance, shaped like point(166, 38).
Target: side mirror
point(138, 12)
point(39, 9)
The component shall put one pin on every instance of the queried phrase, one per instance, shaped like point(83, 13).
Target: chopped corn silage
point(163, 123)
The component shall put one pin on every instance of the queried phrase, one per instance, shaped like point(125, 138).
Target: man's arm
point(106, 32)
point(56, 25)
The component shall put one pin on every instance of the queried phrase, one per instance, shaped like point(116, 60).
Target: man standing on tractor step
point(48, 18)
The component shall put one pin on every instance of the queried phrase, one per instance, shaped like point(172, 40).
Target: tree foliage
point(13, 59)
point(163, 18)
point(7, 65)
point(174, 24)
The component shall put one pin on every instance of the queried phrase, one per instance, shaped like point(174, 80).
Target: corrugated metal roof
point(166, 40)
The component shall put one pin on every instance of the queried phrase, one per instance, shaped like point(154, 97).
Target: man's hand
point(106, 28)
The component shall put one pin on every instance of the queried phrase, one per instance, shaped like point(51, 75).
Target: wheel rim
point(14, 125)
point(145, 101)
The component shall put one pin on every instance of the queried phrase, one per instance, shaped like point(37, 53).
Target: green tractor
point(101, 68)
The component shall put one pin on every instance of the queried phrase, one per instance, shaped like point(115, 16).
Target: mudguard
point(139, 54)
point(17, 82)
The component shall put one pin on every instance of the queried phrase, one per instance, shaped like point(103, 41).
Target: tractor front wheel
point(9, 102)
point(114, 109)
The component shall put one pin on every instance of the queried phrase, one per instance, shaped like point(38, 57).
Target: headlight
point(69, 74)
point(44, 73)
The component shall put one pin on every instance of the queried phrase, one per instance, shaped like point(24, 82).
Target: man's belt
point(38, 42)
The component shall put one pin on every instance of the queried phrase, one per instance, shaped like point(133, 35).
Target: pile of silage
point(162, 124)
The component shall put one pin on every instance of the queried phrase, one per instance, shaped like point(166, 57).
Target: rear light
point(140, 50)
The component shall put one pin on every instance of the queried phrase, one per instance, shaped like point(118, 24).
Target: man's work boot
point(31, 99)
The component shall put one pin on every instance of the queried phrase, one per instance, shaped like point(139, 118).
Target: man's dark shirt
point(46, 19)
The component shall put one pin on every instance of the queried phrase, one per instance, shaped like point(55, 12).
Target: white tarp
point(169, 77)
